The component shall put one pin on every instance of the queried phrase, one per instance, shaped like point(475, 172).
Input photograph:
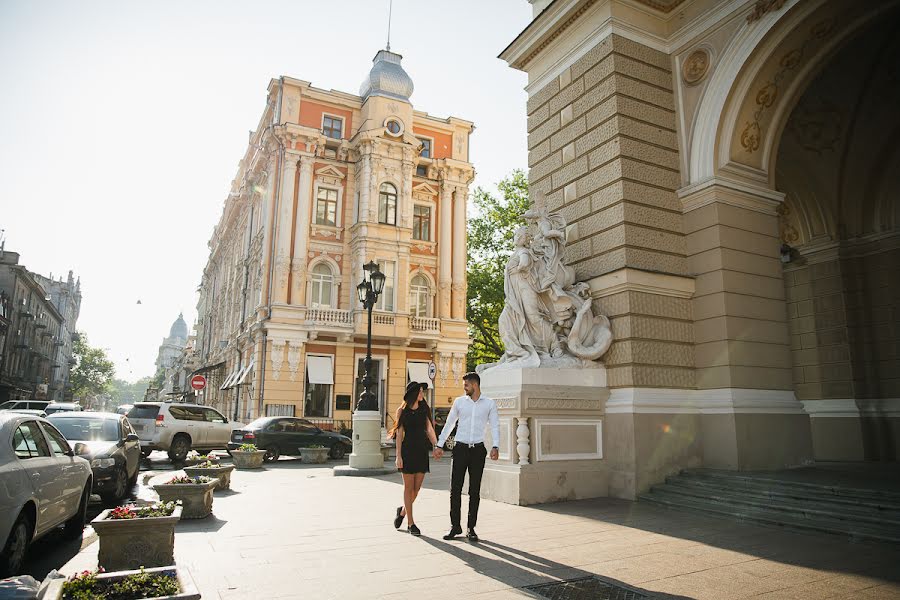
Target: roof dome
point(387, 78)
point(179, 328)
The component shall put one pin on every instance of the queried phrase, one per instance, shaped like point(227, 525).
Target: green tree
point(490, 243)
point(123, 392)
point(93, 371)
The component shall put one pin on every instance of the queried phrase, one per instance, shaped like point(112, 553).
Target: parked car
point(55, 407)
point(123, 410)
point(111, 445)
point(178, 428)
point(29, 405)
point(44, 485)
point(284, 435)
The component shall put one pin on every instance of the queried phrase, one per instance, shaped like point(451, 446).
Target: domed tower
point(385, 94)
point(178, 331)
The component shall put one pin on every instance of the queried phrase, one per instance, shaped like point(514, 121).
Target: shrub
point(247, 448)
point(130, 511)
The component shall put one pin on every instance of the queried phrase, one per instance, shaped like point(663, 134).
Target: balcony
point(330, 317)
point(424, 325)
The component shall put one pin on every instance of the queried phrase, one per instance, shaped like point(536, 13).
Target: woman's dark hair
point(409, 397)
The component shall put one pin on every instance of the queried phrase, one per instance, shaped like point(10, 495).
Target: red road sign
point(198, 382)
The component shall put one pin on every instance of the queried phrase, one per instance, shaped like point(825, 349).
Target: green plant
point(207, 464)
point(130, 511)
point(315, 446)
point(86, 586)
point(185, 479)
point(247, 448)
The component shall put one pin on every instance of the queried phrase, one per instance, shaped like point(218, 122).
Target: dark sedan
point(284, 435)
point(110, 444)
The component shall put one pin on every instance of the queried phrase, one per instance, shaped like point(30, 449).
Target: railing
point(383, 319)
point(330, 316)
point(424, 324)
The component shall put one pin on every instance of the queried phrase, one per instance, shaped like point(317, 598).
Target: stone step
point(766, 516)
point(790, 507)
point(882, 498)
point(876, 511)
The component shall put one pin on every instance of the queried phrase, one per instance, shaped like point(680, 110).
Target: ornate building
point(729, 174)
point(66, 298)
point(329, 182)
point(173, 346)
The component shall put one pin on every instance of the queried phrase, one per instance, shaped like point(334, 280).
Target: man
point(473, 412)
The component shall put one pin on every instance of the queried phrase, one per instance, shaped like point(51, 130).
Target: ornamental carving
point(788, 232)
point(563, 403)
point(696, 66)
point(762, 7)
point(507, 402)
point(817, 126)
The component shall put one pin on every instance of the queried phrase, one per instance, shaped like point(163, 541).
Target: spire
point(390, 13)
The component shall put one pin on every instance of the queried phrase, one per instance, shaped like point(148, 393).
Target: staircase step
point(766, 516)
point(884, 498)
point(877, 511)
point(802, 510)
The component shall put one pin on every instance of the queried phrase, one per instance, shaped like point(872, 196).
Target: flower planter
point(133, 543)
point(222, 473)
point(248, 460)
point(188, 590)
point(196, 498)
point(314, 455)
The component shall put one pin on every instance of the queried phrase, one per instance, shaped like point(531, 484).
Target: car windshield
point(87, 429)
point(146, 411)
point(59, 408)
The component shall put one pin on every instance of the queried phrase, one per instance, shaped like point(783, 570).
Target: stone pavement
point(296, 531)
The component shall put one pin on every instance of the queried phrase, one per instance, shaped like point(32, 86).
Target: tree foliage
point(123, 392)
point(93, 371)
point(490, 243)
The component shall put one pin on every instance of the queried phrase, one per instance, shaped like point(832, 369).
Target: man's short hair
point(472, 376)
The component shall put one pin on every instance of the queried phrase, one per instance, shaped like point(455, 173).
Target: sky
point(122, 124)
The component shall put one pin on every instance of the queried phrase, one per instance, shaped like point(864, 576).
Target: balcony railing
point(383, 319)
point(330, 316)
point(424, 324)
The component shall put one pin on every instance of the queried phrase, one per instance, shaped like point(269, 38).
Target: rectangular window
point(426, 148)
point(326, 207)
point(421, 171)
point(332, 126)
point(319, 382)
point(386, 299)
point(422, 223)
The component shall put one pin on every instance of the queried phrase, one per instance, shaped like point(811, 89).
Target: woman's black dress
point(416, 445)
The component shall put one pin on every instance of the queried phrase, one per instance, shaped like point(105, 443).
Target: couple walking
point(414, 430)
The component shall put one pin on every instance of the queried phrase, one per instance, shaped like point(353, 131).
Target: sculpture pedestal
point(551, 435)
point(366, 440)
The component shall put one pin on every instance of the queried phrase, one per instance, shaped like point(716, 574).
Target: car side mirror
point(80, 449)
point(131, 437)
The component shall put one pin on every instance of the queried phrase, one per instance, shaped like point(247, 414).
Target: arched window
point(387, 204)
point(323, 286)
point(419, 297)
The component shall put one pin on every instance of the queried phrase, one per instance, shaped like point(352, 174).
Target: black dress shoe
point(471, 535)
point(412, 529)
point(398, 520)
point(451, 535)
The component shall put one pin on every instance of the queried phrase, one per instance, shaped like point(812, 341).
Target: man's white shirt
point(472, 416)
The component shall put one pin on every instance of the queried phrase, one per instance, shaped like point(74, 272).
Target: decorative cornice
point(735, 193)
point(714, 401)
point(635, 280)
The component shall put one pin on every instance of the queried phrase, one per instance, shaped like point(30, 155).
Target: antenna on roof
point(390, 12)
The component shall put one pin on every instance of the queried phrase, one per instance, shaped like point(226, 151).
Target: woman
point(415, 435)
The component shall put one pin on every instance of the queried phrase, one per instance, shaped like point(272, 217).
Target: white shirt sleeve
point(494, 419)
point(448, 426)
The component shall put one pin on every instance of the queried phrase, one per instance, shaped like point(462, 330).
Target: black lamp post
point(368, 291)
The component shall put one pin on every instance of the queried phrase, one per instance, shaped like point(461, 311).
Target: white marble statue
point(547, 320)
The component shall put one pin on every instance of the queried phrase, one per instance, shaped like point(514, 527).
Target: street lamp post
point(368, 291)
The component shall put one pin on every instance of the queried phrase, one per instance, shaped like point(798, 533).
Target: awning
point(243, 375)
point(227, 383)
point(203, 370)
point(319, 369)
point(418, 371)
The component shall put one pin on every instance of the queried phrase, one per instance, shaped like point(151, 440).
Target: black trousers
point(471, 460)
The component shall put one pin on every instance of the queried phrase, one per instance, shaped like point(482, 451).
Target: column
point(284, 227)
point(365, 186)
point(301, 235)
point(458, 303)
point(268, 214)
point(444, 245)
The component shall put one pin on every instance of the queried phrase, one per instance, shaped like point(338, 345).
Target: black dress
point(416, 445)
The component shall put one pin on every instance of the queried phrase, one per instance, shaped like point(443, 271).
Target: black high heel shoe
point(398, 520)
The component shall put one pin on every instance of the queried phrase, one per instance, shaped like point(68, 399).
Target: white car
point(42, 485)
point(178, 428)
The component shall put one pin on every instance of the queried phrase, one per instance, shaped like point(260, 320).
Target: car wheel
point(272, 454)
point(75, 525)
point(12, 558)
point(179, 449)
point(120, 488)
point(337, 451)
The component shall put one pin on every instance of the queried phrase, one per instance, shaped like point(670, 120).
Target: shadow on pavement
point(517, 569)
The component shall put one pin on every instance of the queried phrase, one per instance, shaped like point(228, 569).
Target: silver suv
point(177, 428)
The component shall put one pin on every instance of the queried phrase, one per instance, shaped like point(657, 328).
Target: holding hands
point(437, 453)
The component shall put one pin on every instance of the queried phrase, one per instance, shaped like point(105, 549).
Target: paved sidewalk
point(295, 531)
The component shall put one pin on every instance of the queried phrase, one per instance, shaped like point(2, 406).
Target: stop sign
point(198, 382)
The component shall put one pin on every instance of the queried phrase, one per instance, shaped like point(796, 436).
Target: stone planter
point(222, 473)
point(248, 460)
point(133, 543)
point(196, 498)
point(188, 590)
point(314, 455)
